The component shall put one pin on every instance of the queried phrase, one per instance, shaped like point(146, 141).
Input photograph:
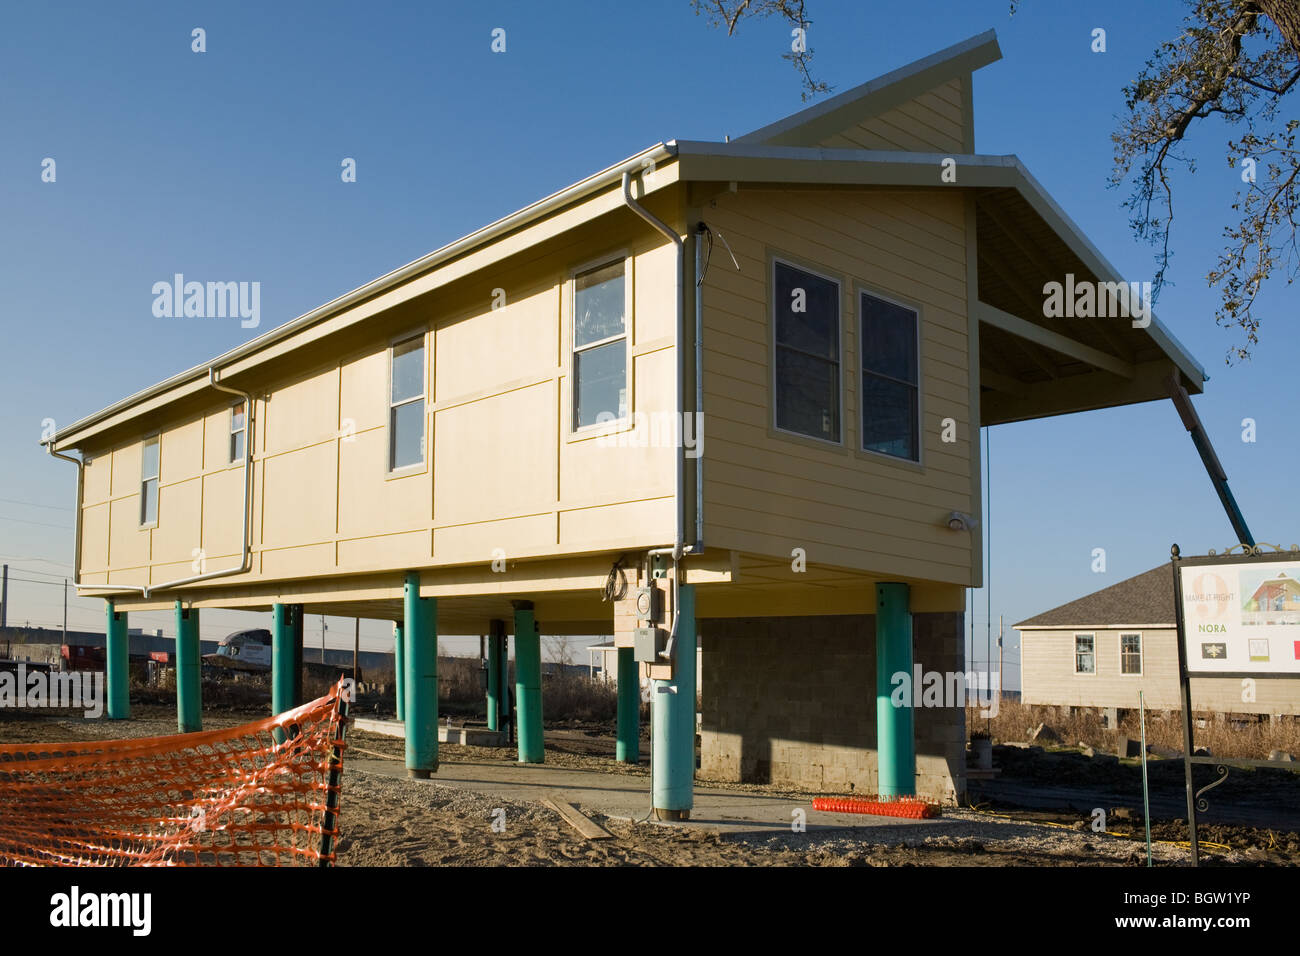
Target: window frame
point(1091, 635)
point(859, 290)
point(232, 432)
point(1141, 662)
point(774, 259)
point(421, 466)
point(624, 422)
point(155, 439)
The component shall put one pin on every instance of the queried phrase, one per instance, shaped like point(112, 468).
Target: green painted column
point(528, 684)
point(298, 617)
point(421, 670)
point(282, 658)
point(118, 663)
point(189, 699)
point(496, 637)
point(399, 669)
point(895, 740)
point(672, 715)
point(628, 749)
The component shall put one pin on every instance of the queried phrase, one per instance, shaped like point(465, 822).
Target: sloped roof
point(1146, 600)
point(876, 96)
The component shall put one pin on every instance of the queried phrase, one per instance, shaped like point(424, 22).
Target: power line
point(33, 504)
point(43, 524)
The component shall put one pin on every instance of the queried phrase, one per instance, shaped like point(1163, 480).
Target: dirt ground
point(390, 821)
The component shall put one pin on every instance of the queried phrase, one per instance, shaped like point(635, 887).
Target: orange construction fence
point(261, 794)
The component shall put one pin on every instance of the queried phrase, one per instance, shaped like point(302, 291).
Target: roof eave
point(68, 437)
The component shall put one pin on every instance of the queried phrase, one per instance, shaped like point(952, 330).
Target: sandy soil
point(390, 821)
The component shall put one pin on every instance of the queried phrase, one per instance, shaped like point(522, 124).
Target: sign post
point(1238, 615)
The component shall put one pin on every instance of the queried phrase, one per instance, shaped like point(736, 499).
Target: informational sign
point(1241, 617)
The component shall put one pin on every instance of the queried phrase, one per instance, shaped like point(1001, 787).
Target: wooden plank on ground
point(578, 820)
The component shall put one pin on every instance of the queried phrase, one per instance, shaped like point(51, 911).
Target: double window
point(406, 375)
point(600, 386)
point(807, 364)
point(149, 482)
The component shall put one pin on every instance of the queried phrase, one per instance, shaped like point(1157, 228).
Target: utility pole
point(999, 662)
point(322, 638)
point(356, 651)
point(65, 611)
point(4, 599)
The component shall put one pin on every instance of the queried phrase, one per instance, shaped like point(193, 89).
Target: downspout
point(147, 590)
point(679, 547)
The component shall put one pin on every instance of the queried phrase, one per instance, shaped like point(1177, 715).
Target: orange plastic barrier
point(909, 807)
point(233, 797)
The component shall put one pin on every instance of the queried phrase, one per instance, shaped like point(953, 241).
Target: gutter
point(146, 590)
point(580, 190)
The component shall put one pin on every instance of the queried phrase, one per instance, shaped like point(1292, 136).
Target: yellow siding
point(931, 122)
point(502, 475)
point(766, 492)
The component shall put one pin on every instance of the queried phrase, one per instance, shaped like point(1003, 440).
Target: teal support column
point(118, 656)
point(189, 701)
point(421, 669)
point(895, 741)
point(399, 668)
point(628, 748)
point(496, 638)
point(282, 658)
point(672, 714)
point(298, 616)
point(528, 684)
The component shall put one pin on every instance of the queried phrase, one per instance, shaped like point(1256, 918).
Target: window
point(891, 396)
point(406, 404)
point(149, 482)
point(1085, 658)
point(599, 346)
point(806, 359)
point(1130, 653)
point(237, 433)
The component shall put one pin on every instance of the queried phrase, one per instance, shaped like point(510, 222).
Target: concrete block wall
point(792, 700)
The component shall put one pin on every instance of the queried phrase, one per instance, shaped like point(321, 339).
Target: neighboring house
point(1100, 650)
point(489, 433)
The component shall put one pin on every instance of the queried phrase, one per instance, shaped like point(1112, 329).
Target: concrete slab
point(627, 797)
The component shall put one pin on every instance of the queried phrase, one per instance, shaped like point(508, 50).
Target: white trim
point(1074, 654)
point(1141, 652)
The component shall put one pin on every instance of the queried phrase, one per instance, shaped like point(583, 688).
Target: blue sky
point(226, 165)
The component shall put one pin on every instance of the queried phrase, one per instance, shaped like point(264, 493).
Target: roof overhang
point(1056, 367)
point(993, 179)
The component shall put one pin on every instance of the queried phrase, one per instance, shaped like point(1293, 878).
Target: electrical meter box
point(647, 642)
point(649, 604)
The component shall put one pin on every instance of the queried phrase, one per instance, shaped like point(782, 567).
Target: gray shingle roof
point(1145, 600)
